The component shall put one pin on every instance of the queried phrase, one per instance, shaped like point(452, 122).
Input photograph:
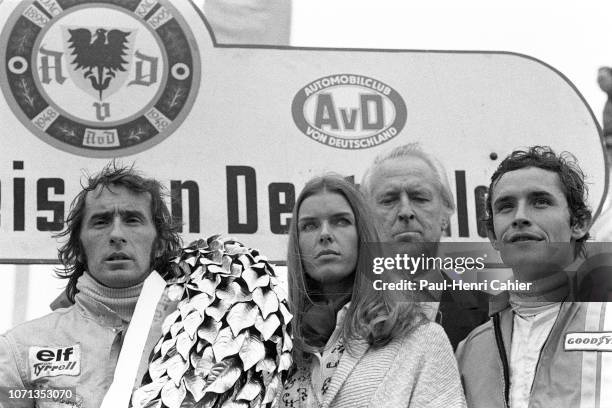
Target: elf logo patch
point(588, 341)
point(54, 361)
point(349, 111)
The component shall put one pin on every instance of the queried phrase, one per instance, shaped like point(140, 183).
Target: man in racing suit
point(539, 349)
point(118, 230)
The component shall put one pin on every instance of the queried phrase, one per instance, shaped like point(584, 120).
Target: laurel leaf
point(200, 345)
point(284, 362)
point(195, 384)
point(191, 261)
point(197, 274)
point(154, 404)
point(268, 326)
point(272, 389)
point(240, 316)
point(226, 344)
point(218, 309)
point(172, 395)
point(266, 300)
point(175, 292)
point(280, 292)
point(251, 389)
point(252, 351)
point(176, 328)
point(223, 375)
point(176, 367)
point(230, 403)
point(199, 302)
point(266, 365)
point(208, 284)
point(167, 345)
point(157, 348)
point(216, 269)
point(287, 342)
point(184, 343)
point(209, 329)
point(234, 292)
point(192, 322)
point(215, 244)
point(287, 316)
point(255, 279)
point(169, 321)
point(226, 264)
point(156, 369)
point(147, 393)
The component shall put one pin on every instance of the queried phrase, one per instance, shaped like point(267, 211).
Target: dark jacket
point(460, 312)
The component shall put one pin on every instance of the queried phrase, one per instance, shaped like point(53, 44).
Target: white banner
point(235, 131)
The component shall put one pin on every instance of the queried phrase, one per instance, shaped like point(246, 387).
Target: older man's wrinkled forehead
point(116, 198)
point(408, 165)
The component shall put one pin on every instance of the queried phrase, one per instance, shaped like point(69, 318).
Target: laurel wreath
point(227, 344)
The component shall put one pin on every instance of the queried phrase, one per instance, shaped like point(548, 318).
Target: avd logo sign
point(99, 79)
point(349, 111)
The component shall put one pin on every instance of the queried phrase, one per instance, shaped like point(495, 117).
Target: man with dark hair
point(569, 174)
point(539, 348)
point(119, 230)
point(166, 242)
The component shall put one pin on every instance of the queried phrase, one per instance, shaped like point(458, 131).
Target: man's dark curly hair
point(570, 175)
point(167, 242)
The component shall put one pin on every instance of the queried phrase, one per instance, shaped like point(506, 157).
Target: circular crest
point(99, 79)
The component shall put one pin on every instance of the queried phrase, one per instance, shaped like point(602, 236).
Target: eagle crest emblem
point(99, 56)
point(97, 78)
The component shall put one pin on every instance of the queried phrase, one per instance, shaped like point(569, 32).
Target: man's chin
point(415, 248)
point(121, 278)
point(540, 258)
point(408, 237)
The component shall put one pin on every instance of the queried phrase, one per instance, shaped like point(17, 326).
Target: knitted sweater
point(415, 371)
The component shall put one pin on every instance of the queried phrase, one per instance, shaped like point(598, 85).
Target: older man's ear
point(444, 224)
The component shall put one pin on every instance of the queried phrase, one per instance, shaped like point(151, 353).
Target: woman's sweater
point(418, 370)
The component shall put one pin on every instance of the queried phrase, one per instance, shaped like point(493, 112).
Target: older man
point(539, 349)
point(409, 192)
point(118, 231)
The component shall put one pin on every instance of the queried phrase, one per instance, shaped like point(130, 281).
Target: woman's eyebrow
point(307, 218)
point(342, 214)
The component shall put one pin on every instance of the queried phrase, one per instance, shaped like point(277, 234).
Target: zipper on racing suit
point(504, 357)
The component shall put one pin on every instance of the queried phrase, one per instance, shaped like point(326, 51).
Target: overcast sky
point(574, 37)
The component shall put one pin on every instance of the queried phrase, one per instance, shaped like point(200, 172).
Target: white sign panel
point(235, 131)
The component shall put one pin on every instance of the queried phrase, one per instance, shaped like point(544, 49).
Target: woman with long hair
point(355, 346)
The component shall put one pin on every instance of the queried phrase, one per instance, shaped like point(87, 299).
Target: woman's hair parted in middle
point(372, 315)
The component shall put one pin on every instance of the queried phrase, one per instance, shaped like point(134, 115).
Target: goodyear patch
point(54, 361)
point(588, 341)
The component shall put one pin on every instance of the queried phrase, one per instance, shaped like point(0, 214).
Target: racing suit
point(574, 368)
point(72, 350)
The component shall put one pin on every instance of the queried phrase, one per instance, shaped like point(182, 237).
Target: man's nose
point(406, 210)
point(521, 216)
point(117, 234)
